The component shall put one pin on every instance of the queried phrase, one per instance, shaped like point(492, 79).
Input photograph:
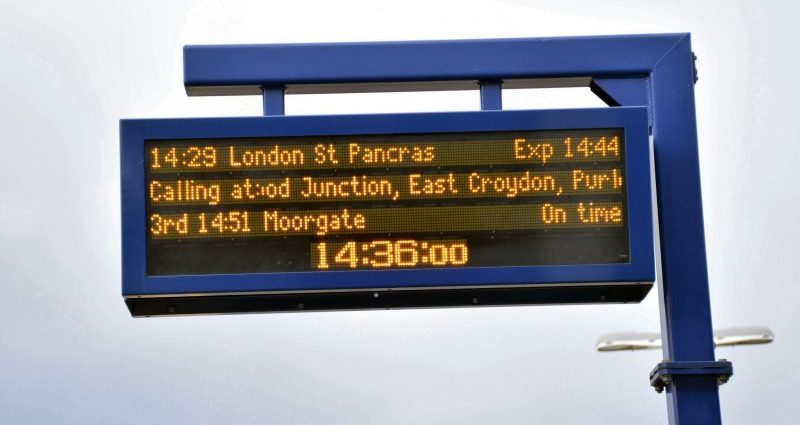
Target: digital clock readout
point(443, 200)
point(403, 253)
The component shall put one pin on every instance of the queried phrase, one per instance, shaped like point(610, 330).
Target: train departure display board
point(325, 206)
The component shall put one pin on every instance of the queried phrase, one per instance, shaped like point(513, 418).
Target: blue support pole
point(689, 372)
point(683, 289)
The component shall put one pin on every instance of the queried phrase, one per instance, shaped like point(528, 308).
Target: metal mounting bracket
point(664, 373)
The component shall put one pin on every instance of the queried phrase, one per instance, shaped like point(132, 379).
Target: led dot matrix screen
point(281, 204)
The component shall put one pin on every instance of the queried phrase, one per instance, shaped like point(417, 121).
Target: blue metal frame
point(135, 132)
point(499, 59)
point(655, 70)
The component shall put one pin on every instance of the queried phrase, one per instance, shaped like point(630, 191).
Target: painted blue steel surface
point(685, 303)
point(692, 368)
point(424, 60)
point(273, 98)
point(622, 91)
point(659, 67)
point(135, 132)
point(633, 91)
point(491, 95)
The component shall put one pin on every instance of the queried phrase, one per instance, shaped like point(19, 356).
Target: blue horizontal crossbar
point(208, 70)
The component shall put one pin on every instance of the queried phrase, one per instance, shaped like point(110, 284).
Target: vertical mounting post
point(683, 289)
point(273, 100)
point(491, 95)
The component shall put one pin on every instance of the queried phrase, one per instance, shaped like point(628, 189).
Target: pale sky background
point(71, 353)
